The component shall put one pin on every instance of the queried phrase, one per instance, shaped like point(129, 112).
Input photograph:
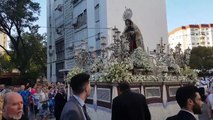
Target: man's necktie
point(85, 112)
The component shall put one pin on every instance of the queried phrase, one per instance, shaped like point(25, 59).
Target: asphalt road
point(204, 115)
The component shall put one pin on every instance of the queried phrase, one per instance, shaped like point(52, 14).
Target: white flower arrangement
point(74, 71)
point(139, 78)
point(117, 72)
point(97, 65)
point(142, 78)
point(141, 60)
point(152, 78)
point(94, 68)
point(190, 74)
point(128, 61)
point(162, 69)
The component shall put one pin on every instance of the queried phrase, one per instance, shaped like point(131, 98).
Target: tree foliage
point(28, 49)
point(34, 53)
point(201, 59)
point(15, 17)
point(5, 64)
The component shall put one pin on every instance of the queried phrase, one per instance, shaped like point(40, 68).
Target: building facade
point(192, 36)
point(71, 21)
point(3, 42)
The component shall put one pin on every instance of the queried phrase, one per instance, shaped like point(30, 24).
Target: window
point(50, 70)
point(59, 75)
point(75, 2)
point(98, 38)
point(97, 13)
point(203, 42)
point(81, 19)
point(60, 50)
point(202, 33)
point(59, 8)
point(59, 30)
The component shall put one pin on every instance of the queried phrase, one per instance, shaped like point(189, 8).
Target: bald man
point(12, 107)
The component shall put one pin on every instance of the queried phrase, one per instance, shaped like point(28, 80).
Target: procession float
point(155, 74)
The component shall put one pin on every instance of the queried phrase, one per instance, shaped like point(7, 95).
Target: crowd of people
point(41, 101)
point(48, 99)
point(209, 101)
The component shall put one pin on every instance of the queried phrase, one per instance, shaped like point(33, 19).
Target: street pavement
point(33, 117)
point(204, 115)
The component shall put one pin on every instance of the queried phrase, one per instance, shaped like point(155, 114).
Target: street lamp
point(120, 47)
point(84, 56)
point(50, 50)
point(187, 54)
point(80, 54)
point(160, 47)
point(103, 47)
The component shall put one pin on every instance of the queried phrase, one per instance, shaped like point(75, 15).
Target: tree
point(5, 64)
point(202, 59)
point(16, 16)
point(34, 53)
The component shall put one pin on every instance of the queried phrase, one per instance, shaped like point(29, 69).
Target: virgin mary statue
point(133, 35)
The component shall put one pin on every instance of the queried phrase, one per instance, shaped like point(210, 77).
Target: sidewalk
point(32, 117)
point(204, 115)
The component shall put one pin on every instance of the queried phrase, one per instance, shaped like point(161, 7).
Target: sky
point(185, 12)
point(43, 16)
point(179, 13)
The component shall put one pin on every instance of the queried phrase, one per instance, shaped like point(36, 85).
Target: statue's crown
point(127, 14)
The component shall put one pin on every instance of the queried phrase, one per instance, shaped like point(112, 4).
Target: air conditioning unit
point(71, 46)
point(74, 1)
point(59, 31)
point(59, 7)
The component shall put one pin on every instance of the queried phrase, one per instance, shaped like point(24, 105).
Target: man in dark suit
point(190, 102)
point(75, 108)
point(60, 101)
point(129, 105)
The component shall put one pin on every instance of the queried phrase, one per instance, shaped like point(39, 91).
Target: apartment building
point(192, 36)
point(71, 21)
point(3, 41)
